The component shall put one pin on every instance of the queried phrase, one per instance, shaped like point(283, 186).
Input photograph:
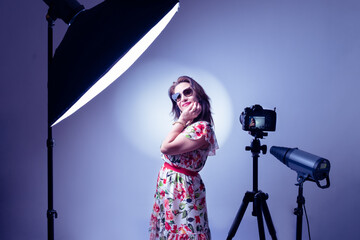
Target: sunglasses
point(188, 92)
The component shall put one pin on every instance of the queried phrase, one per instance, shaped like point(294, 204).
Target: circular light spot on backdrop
point(142, 105)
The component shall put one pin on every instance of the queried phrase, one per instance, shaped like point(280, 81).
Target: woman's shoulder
point(201, 122)
point(203, 127)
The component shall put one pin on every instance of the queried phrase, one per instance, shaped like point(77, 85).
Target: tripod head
point(256, 146)
point(257, 133)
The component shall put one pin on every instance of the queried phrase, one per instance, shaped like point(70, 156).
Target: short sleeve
point(197, 130)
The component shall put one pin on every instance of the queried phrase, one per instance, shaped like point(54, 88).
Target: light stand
point(300, 200)
point(51, 213)
point(299, 210)
point(66, 10)
point(258, 197)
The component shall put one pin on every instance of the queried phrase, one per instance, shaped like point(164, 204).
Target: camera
point(256, 118)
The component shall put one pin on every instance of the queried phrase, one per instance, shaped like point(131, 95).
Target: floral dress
point(179, 211)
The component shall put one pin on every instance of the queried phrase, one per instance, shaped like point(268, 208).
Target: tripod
point(256, 196)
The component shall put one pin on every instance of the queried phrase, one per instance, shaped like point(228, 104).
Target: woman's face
point(186, 95)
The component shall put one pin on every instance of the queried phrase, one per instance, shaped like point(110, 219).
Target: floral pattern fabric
point(179, 211)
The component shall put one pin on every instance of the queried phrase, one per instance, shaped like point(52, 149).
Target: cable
point(307, 221)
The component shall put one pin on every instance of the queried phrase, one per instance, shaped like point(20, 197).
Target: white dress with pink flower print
point(179, 211)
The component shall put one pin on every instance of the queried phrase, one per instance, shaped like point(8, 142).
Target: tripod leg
point(258, 214)
point(268, 219)
point(247, 198)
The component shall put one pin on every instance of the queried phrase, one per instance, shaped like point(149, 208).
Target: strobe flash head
point(308, 166)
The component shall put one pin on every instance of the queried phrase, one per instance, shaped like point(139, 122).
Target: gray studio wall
point(301, 57)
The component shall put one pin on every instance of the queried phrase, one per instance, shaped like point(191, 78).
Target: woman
point(179, 210)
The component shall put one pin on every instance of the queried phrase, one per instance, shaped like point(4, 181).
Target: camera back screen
point(257, 122)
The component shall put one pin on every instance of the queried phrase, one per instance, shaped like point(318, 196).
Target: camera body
point(256, 118)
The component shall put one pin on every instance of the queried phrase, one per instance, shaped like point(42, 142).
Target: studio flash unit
point(308, 166)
